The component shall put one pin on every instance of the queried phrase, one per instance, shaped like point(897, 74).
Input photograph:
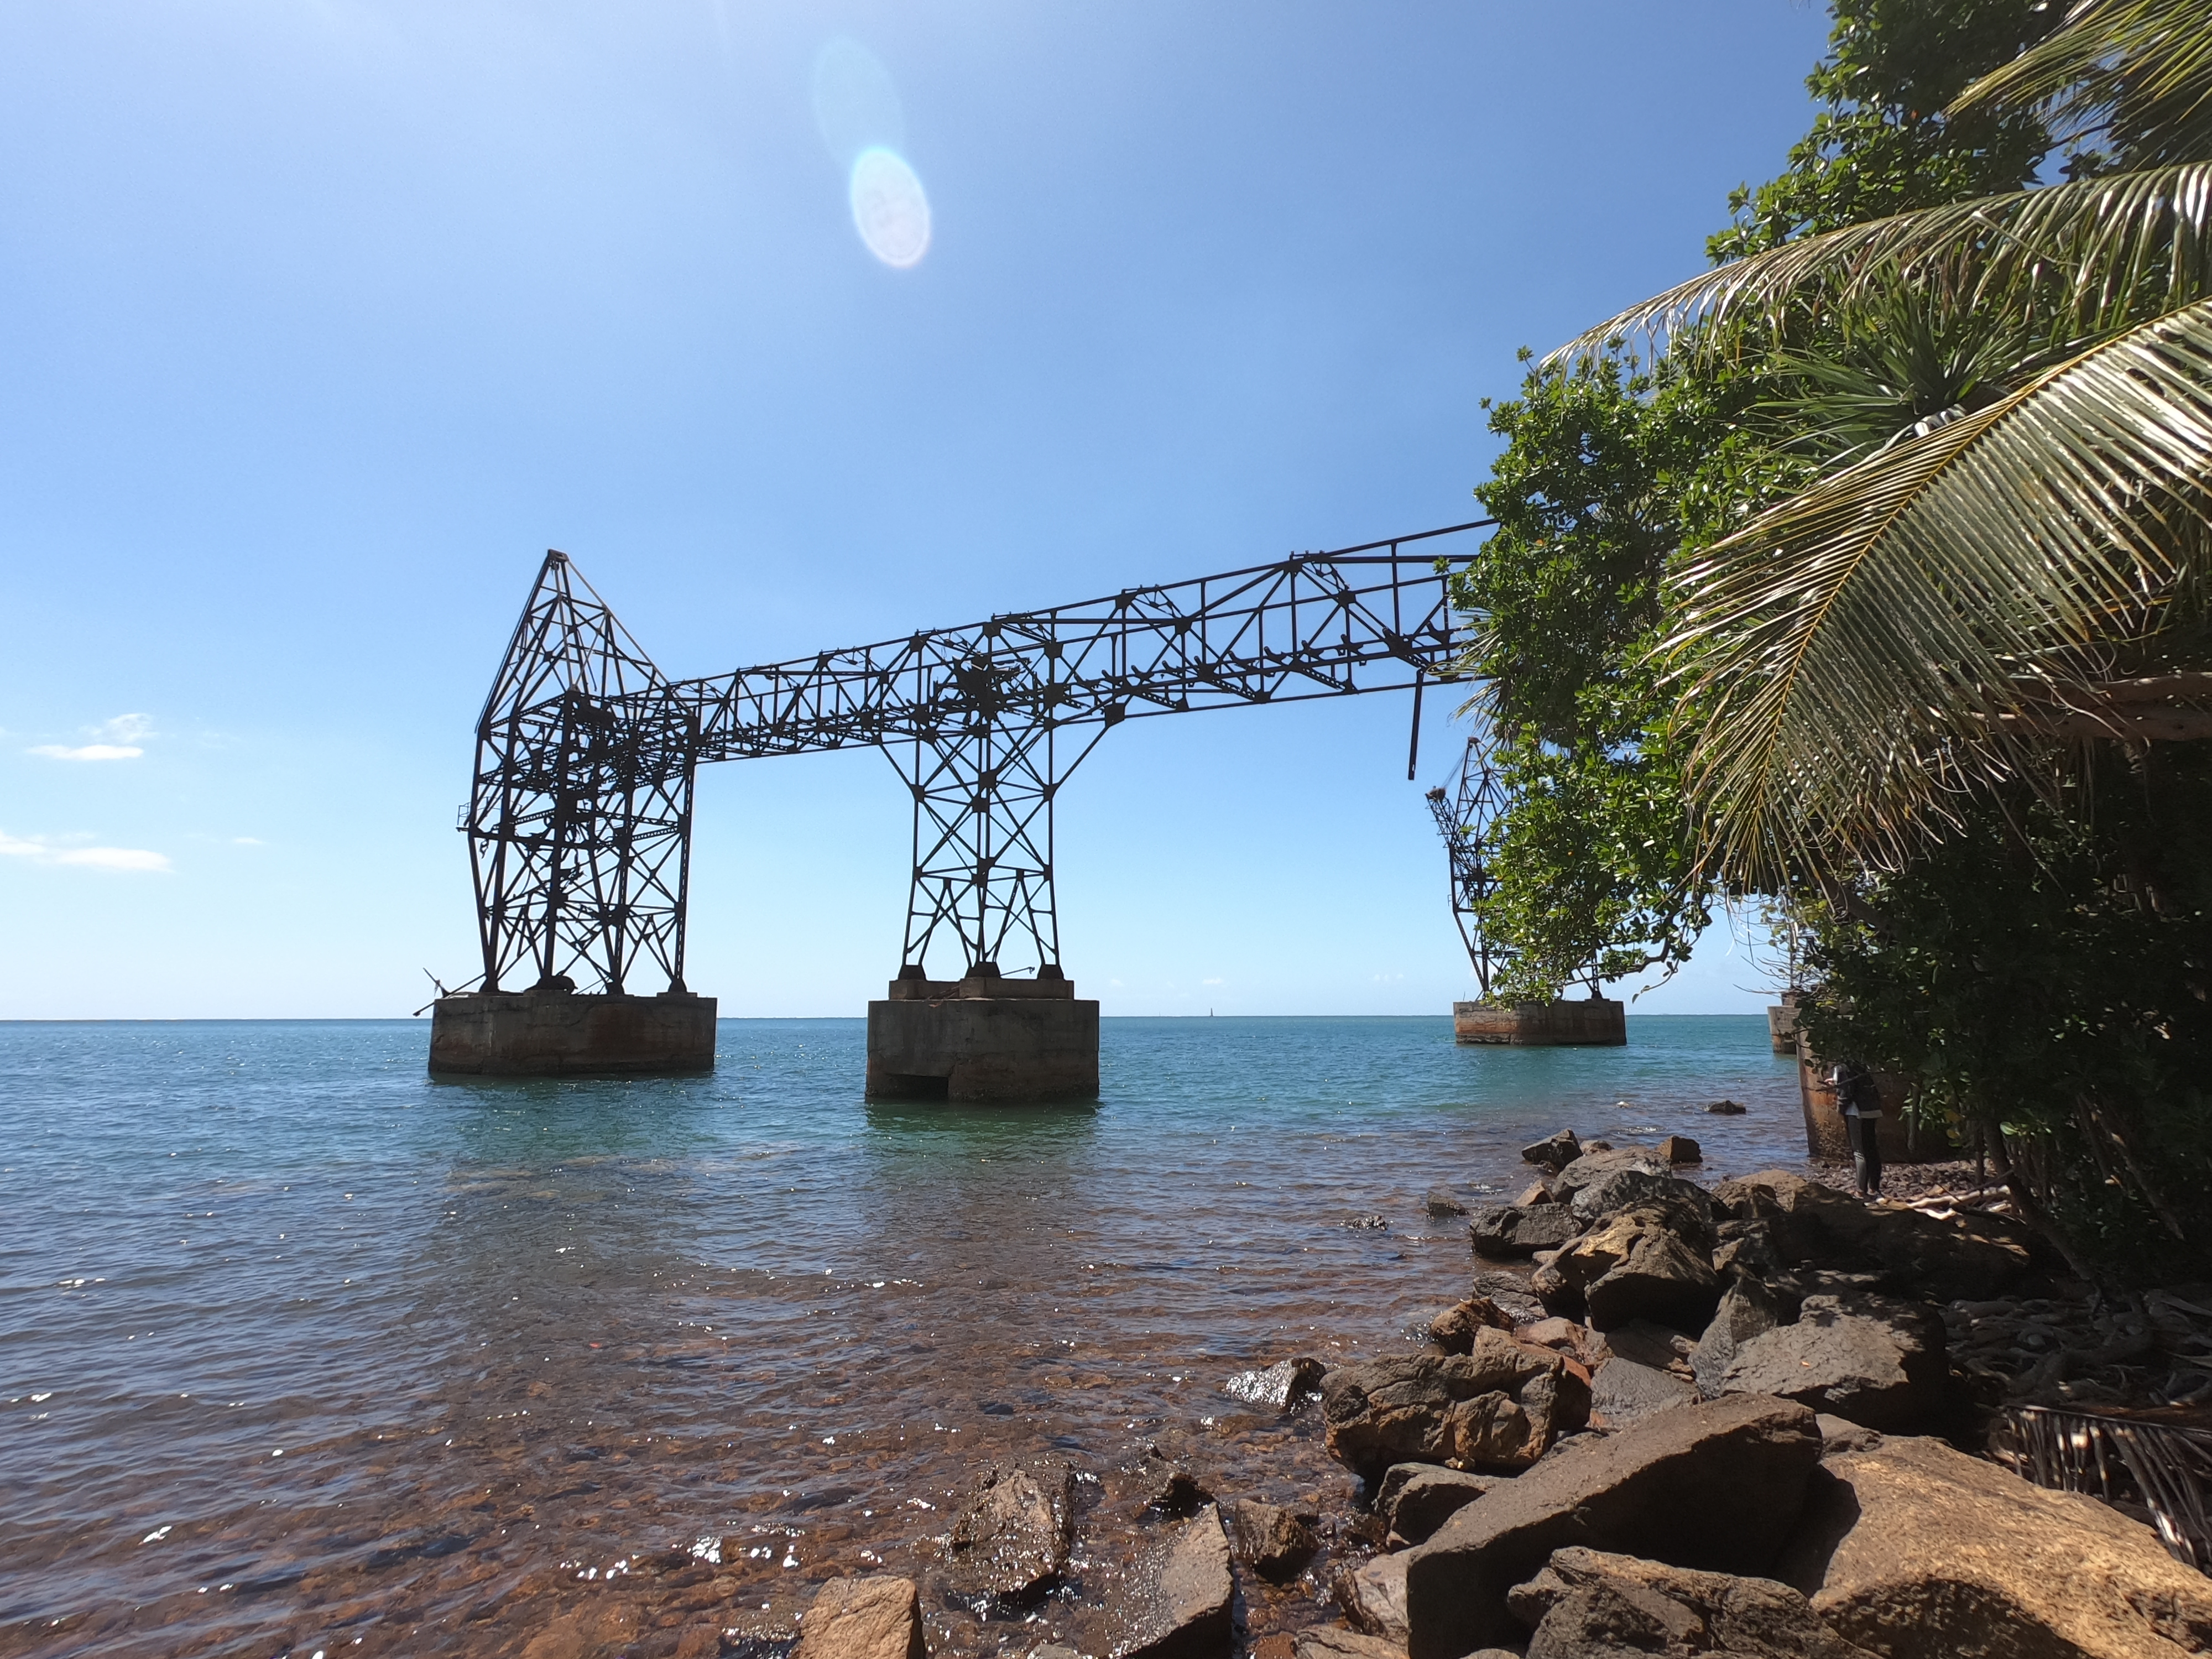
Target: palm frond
point(2135, 72)
point(2085, 258)
point(1931, 616)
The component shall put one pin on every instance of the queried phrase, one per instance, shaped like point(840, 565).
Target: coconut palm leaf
point(1936, 614)
point(2086, 258)
point(2137, 73)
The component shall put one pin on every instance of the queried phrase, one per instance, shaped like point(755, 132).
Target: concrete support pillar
point(561, 1033)
point(982, 1039)
point(1597, 1021)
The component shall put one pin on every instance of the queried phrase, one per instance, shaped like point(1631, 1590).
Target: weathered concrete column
point(982, 1039)
point(562, 1033)
point(1596, 1021)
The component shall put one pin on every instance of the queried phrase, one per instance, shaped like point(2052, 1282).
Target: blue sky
point(320, 320)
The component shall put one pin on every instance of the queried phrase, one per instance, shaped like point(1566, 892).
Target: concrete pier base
point(982, 1039)
point(558, 1033)
point(1597, 1021)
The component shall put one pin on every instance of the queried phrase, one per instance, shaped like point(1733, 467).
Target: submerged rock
point(877, 1618)
point(1012, 1536)
point(1278, 1387)
point(1272, 1541)
point(1176, 1604)
point(1442, 1200)
point(1726, 1108)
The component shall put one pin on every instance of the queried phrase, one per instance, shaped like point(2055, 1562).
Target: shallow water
point(301, 1351)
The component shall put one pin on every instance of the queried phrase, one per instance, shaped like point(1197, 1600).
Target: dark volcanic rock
point(1747, 1308)
point(1497, 1407)
point(1728, 1108)
point(1501, 1232)
point(1869, 1359)
point(1589, 1605)
point(1687, 1206)
point(1176, 1491)
point(1416, 1498)
point(1509, 1291)
point(1594, 1166)
point(1970, 1257)
point(1555, 1153)
point(1278, 1387)
point(1632, 1265)
point(1012, 1535)
point(1680, 1149)
point(1624, 1392)
point(1455, 1329)
point(1442, 1200)
point(1273, 1542)
point(1715, 1486)
point(1176, 1604)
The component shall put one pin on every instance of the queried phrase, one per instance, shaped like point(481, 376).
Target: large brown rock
point(1273, 1542)
point(1747, 1308)
point(1599, 1161)
point(877, 1618)
point(1176, 1604)
point(1919, 1552)
point(1373, 1596)
point(1587, 1604)
point(1715, 1486)
point(1634, 1266)
point(1971, 1256)
point(1416, 1498)
point(1012, 1536)
point(1687, 1206)
point(1868, 1359)
point(1498, 1407)
point(1328, 1642)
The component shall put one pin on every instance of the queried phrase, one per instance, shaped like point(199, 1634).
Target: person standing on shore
point(1859, 1098)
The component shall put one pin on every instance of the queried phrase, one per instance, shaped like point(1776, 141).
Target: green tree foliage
point(2041, 977)
point(1882, 143)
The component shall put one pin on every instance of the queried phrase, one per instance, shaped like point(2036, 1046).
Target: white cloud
point(114, 858)
point(247, 841)
point(126, 728)
point(94, 858)
point(90, 751)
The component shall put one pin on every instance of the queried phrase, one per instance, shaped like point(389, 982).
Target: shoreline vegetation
point(1760, 1416)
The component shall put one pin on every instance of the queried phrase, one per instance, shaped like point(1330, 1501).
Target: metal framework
point(579, 824)
point(1467, 817)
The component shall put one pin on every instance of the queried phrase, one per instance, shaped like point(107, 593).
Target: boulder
point(1660, 1346)
point(1726, 1108)
point(1687, 1206)
point(1373, 1596)
point(877, 1618)
point(1497, 1407)
point(1716, 1486)
point(1534, 1193)
point(1416, 1498)
point(1919, 1552)
point(1442, 1200)
point(1273, 1542)
point(1969, 1257)
point(1587, 1604)
point(1632, 1265)
point(1455, 1329)
point(1554, 1153)
point(1869, 1359)
point(1012, 1537)
point(1568, 1336)
point(1278, 1387)
point(1624, 1392)
point(1501, 1232)
point(1176, 1604)
point(1328, 1642)
point(1509, 1291)
point(1680, 1149)
point(1747, 1308)
point(1595, 1166)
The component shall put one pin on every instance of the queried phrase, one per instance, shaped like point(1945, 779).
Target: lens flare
point(889, 209)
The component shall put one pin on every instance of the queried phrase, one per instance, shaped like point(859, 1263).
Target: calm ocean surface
point(301, 1351)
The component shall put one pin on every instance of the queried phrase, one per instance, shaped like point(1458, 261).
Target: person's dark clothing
point(1859, 1098)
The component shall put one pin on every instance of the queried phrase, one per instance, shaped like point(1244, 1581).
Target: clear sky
point(798, 326)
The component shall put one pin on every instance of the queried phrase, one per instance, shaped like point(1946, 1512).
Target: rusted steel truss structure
point(1467, 817)
point(579, 822)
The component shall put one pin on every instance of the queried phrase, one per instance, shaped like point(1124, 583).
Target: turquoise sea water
point(300, 1349)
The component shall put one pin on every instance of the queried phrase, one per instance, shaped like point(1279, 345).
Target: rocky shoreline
point(1760, 1417)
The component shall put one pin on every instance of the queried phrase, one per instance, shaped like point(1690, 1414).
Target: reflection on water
point(300, 1347)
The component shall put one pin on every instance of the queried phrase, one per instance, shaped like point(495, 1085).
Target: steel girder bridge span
point(579, 823)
